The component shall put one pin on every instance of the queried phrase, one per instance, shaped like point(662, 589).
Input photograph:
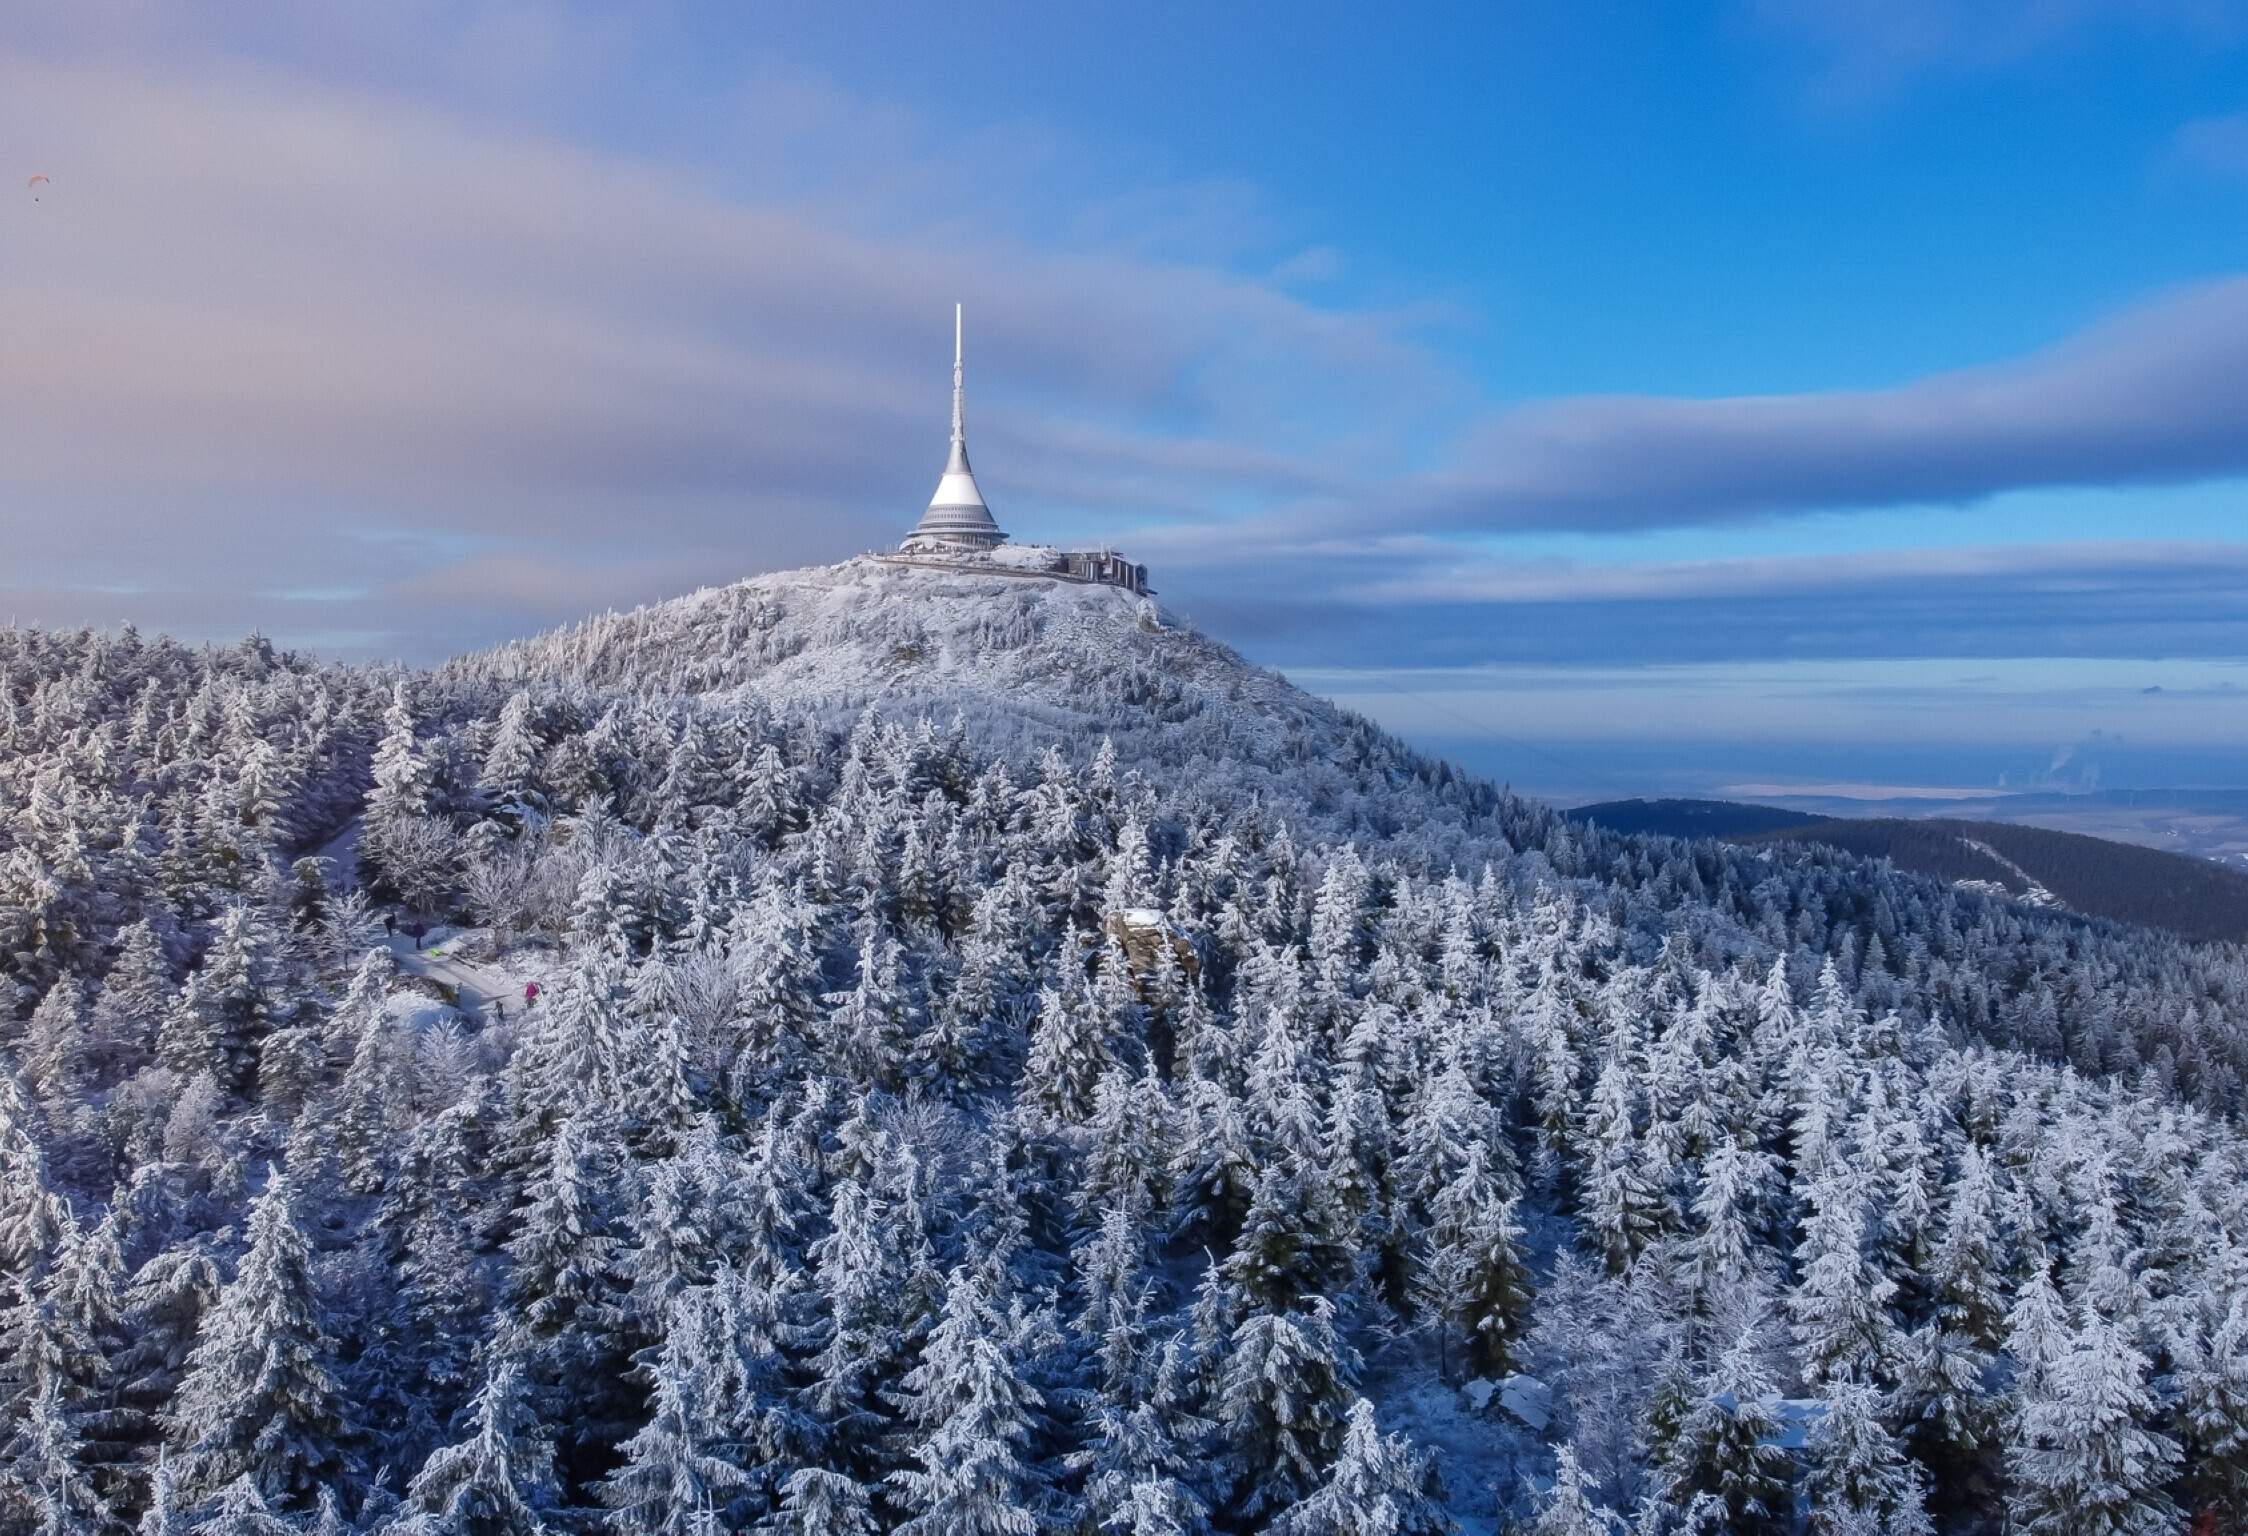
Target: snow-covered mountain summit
point(991, 635)
point(875, 625)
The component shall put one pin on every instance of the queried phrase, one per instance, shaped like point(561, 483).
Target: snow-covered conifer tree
point(46, 1486)
point(861, 1342)
point(134, 994)
point(1473, 1279)
point(2212, 1383)
point(817, 1502)
point(1723, 1446)
point(498, 1481)
point(404, 786)
point(1069, 1053)
point(1966, 1260)
point(509, 777)
point(1141, 1462)
point(2088, 1460)
point(869, 1024)
point(242, 1509)
point(564, 1298)
point(1284, 1390)
point(1625, 1210)
point(1841, 1310)
point(674, 1469)
point(1568, 1508)
point(260, 1399)
point(1860, 1478)
point(1378, 1483)
point(977, 1414)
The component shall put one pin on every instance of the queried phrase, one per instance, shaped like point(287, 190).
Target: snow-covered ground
point(2032, 892)
point(871, 629)
point(485, 989)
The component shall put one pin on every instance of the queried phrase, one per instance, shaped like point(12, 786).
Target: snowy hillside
point(870, 629)
point(888, 1050)
point(1033, 658)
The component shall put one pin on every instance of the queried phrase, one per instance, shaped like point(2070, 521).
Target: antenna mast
point(959, 414)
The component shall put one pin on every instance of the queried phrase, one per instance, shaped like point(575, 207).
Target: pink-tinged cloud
point(276, 318)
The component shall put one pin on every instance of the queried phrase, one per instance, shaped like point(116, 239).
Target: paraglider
point(35, 183)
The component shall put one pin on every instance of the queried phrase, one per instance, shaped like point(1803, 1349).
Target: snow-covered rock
point(1528, 1399)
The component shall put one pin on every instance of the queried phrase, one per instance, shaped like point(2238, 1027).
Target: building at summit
point(957, 525)
point(958, 517)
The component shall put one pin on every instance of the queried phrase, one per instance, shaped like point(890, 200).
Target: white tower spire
point(957, 517)
point(959, 395)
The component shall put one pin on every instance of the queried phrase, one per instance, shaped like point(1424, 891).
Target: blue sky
point(1595, 373)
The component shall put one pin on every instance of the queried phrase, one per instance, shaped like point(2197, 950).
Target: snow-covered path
point(342, 854)
point(476, 986)
point(2036, 895)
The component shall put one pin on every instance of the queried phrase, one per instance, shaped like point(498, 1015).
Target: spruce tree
point(977, 1415)
point(1069, 1054)
point(861, 1343)
point(674, 1468)
point(2088, 1460)
point(237, 977)
point(1860, 1478)
point(242, 1509)
point(565, 1296)
point(260, 1400)
point(1282, 1397)
point(2212, 1382)
point(57, 1051)
point(1841, 1309)
point(1948, 1420)
point(1213, 1173)
point(1568, 1508)
point(1966, 1259)
point(1472, 1279)
point(1378, 1483)
point(1723, 1449)
point(122, 1028)
point(404, 787)
point(1141, 1462)
point(498, 1481)
point(868, 1025)
point(46, 1483)
point(817, 1502)
point(161, 1515)
point(508, 779)
point(1624, 1210)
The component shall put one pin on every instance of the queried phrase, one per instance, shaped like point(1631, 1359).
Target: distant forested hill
point(2190, 897)
point(1728, 819)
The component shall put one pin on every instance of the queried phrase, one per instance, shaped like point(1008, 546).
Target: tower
point(957, 517)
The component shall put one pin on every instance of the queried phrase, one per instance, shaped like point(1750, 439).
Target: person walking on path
point(390, 925)
point(530, 993)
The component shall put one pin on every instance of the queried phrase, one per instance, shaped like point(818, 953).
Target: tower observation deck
point(957, 517)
